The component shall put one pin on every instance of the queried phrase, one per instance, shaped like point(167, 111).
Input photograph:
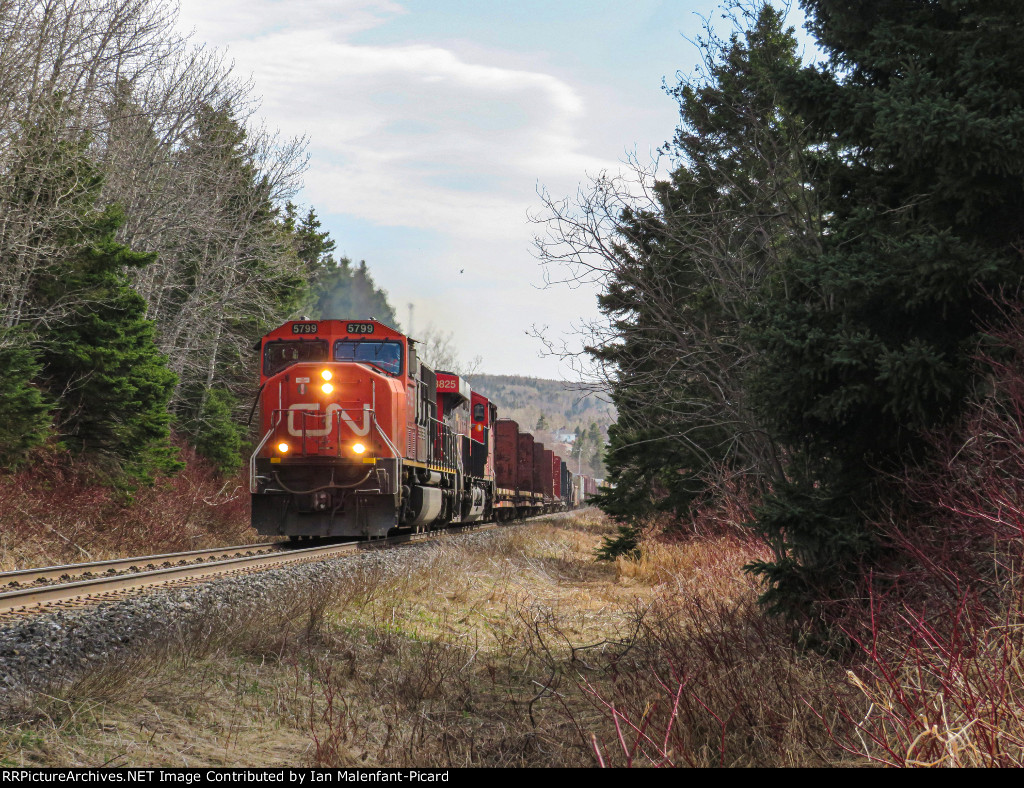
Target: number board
point(359, 328)
point(447, 384)
point(304, 328)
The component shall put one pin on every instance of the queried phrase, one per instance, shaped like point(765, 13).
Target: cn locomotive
point(359, 437)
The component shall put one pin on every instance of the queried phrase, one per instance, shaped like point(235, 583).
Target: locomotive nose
point(327, 411)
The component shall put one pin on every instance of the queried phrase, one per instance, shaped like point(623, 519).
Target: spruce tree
point(313, 247)
point(338, 291)
point(242, 277)
point(687, 271)
point(26, 412)
point(868, 344)
point(219, 435)
point(99, 361)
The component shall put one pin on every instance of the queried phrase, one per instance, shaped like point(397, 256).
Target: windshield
point(279, 355)
point(386, 355)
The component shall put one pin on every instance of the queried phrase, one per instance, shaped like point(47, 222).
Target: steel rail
point(23, 577)
point(23, 598)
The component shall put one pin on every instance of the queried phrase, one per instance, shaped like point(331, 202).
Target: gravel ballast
point(48, 650)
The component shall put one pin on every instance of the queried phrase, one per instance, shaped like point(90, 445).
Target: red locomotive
point(359, 437)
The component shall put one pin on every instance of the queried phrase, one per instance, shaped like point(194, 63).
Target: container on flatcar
point(524, 464)
point(547, 480)
point(360, 437)
point(540, 470)
point(506, 461)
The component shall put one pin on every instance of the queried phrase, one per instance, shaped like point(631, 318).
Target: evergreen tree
point(113, 384)
point(100, 362)
point(340, 292)
point(626, 542)
point(97, 360)
point(240, 276)
point(336, 289)
point(313, 247)
point(686, 274)
point(868, 344)
point(26, 412)
point(219, 434)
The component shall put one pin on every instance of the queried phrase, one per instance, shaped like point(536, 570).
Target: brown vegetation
point(514, 650)
point(492, 651)
point(56, 511)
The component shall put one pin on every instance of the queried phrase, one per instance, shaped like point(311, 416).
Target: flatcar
point(359, 437)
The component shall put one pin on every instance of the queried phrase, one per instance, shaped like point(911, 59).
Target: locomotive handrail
point(333, 418)
point(301, 489)
point(373, 414)
point(394, 451)
point(255, 402)
point(252, 460)
point(450, 448)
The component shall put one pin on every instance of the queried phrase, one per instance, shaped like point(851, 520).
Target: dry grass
point(428, 666)
point(521, 650)
point(945, 689)
point(712, 565)
point(482, 655)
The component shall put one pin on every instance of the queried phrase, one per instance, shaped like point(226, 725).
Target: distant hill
point(527, 400)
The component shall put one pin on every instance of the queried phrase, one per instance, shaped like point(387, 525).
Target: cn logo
point(296, 430)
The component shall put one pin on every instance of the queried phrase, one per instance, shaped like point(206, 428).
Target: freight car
point(358, 437)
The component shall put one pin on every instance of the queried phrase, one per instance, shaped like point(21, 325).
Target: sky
point(433, 123)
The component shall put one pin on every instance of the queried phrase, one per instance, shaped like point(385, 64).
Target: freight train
point(359, 437)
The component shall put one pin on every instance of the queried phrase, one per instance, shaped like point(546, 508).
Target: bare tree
point(114, 78)
point(58, 60)
point(438, 350)
point(681, 260)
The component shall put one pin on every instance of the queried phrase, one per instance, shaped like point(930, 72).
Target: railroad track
point(25, 578)
point(146, 572)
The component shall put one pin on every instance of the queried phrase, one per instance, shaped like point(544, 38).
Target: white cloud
point(418, 136)
point(393, 128)
point(220, 21)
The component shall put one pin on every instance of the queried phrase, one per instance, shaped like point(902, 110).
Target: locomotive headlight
point(327, 388)
point(283, 447)
point(326, 374)
point(358, 448)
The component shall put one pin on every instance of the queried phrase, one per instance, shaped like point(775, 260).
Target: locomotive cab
point(455, 399)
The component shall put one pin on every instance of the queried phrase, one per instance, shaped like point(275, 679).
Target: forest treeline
point(796, 311)
point(147, 239)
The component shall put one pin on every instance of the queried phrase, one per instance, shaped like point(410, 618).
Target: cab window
point(478, 412)
point(281, 355)
point(385, 355)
